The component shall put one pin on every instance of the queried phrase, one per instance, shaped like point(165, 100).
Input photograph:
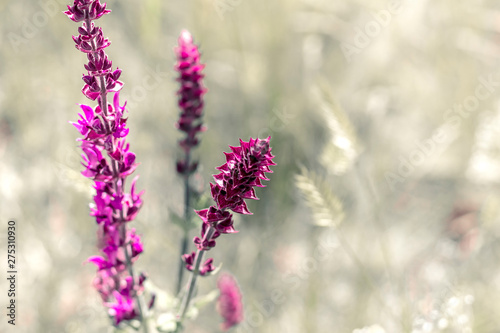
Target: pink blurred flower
point(229, 304)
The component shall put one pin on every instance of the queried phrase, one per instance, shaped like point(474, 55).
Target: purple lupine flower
point(229, 304)
point(108, 161)
point(190, 98)
point(245, 167)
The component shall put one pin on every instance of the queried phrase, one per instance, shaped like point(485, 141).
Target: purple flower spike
point(229, 304)
point(108, 161)
point(190, 98)
point(245, 167)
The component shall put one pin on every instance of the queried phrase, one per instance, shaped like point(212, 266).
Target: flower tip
point(185, 37)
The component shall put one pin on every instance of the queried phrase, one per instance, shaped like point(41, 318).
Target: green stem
point(187, 217)
point(192, 282)
point(139, 299)
point(180, 275)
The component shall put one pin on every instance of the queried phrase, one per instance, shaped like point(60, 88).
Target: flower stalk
point(244, 169)
point(191, 104)
point(108, 161)
point(192, 279)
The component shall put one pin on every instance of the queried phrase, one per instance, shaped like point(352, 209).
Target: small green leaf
point(201, 301)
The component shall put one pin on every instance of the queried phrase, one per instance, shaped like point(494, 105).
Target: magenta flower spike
point(229, 304)
point(244, 169)
point(190, 102)
point(108, 161)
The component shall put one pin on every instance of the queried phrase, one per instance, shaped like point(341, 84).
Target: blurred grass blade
point(343, 148)
point(326, 207)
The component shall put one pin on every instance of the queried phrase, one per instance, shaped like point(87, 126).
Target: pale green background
point(263, 59)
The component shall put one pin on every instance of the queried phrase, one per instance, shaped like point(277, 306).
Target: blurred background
point(382, 214)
